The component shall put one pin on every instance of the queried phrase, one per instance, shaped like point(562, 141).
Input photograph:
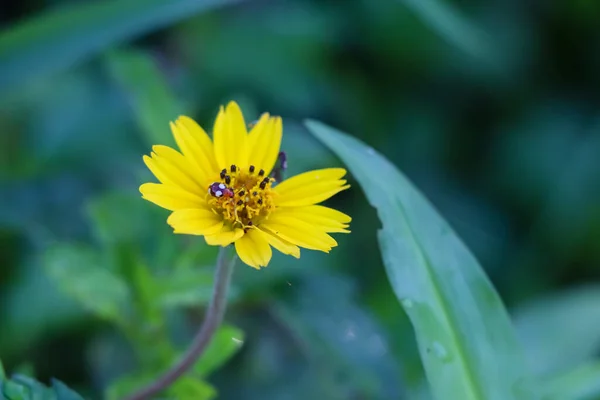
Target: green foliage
point(190, 388)
point(63, 37)
point(224, 344)
point(185, 387)
point(21, 387)
point(121, 218)
point(582, 383)
point(128, 384)
point(560, 331)
point(153, 103)
point(80, 273)
point(459, 320)
point(453, 27)
point(63, 392)
point(512, 164)
point(125, 291)
point(187, 287)
point(339, 338)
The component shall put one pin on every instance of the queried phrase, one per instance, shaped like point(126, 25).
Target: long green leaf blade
point(153, 102)
point(452, 27)
point(466, 341)
point(61, 38)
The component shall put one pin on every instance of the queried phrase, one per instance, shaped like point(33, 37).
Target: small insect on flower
point(218, 189)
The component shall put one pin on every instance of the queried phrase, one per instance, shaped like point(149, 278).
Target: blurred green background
point(491, 107)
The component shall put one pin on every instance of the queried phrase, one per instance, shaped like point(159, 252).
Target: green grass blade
point(61, 38)
point(466, 341)
point(583, 383)
point(152, 100)
point(452, 27)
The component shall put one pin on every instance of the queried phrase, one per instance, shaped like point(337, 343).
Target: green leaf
point(14, 391)
point(2, 371)
point(184, 287)
point(452, 27)
point(63, 392)
point(465, 338)
point(142, 286)
point(153, 102)
point(79, 272)
point(128, 384)
point(33, 309)
point(61, 38)
point(224, 344)
point(561, 330)
point(27, 388)
point(187, 387)
point(583, 383)
point(124, 218)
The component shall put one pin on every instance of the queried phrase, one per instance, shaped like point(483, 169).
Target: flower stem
point(212, 320)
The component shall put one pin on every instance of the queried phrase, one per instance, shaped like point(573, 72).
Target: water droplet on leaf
point(440, 352)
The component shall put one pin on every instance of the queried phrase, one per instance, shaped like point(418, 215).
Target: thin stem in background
point(212, 320)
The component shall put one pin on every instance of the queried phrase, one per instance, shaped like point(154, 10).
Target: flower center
point(242, 196)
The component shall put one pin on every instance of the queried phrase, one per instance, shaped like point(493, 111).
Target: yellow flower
point(224, 192)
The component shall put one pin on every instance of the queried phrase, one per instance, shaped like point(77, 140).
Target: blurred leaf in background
point(61, 38)
point(151, 97)
point(21, 387)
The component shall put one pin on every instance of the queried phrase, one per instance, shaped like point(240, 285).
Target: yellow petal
point(309, 178)
point(324, 218)
point(158, 172)
point(299, 233)
point(197, 147)
point(311, 194)
point(225, 237)
point(171, 197)
point(195, 222)
point(230, 137)
point(282, 245)
point(329, 213)
point(264, 142)
point(253, 249)
point(171, 167)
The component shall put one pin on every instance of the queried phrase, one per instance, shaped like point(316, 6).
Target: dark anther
point(249, 223)
point(223, 173)
point(233, 168)
point(239, 203)
point(261, 172)
point(259, 201)
point(241, 193)
point(251, 168)
point(227, 179)
point(266, 180)
point(263, 184)
point(254, 193)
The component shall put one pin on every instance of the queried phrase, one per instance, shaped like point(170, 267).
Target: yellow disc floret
point(243, 197)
